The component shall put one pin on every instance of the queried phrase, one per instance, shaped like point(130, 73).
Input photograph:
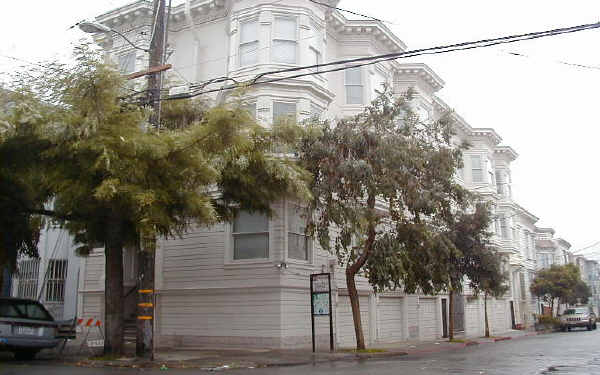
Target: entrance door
point(459, 312)
point(444, 318)
point(512, 315)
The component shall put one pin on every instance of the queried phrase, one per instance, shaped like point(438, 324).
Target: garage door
point(345, 324)
point(389, 319)
point(428, 319)
point(498, 316)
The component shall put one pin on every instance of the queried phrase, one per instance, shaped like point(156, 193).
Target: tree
point(475, 259)
point(383, 187)
point(114, 181)
point(560, 283)
point(492, 281)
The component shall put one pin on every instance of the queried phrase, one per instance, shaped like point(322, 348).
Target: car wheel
point(595, 325)
point(563, 328)
point(569, 329)
point(589, 327)
point(25, 355)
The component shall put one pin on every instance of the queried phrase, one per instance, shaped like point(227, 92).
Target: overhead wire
point(370, 60)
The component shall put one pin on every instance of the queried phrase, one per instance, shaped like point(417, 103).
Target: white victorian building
point(248, 282)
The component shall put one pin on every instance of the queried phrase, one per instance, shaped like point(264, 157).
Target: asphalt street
point(576, 352)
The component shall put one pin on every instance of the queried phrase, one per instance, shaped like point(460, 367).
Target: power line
point(518, 54)
point(351, 12)
point(370, 60)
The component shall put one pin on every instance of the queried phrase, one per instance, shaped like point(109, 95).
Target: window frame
point(361, 85)
point(127, 54)
point(308, 240)
point(233, 235)
point(242, 43)
point(277, 38)
point(55, 283)
point(28, 278)
point(480, 168)
point(285, 102)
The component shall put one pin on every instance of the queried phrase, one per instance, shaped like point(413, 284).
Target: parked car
point(581, 316)
point(26, 327)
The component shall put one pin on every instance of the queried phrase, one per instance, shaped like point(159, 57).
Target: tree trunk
point(552, 307)
point(353, 269)
point(450, 315)
point(113, 288)
point(485, 313)
point(354, 302)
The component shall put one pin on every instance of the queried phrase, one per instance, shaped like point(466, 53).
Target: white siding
point(429, 319)
point(390, 319)
point(345, 323)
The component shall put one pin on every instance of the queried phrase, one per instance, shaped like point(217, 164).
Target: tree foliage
point(112, 178)
point(384, 191)
point(562, 284)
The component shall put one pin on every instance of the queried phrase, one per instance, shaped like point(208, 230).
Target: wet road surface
point(576, 352)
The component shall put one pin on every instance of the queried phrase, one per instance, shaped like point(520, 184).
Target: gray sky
point(544, 109)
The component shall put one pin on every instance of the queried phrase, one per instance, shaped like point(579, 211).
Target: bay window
point(281, 110)
point(285, 40)
point(248, 53)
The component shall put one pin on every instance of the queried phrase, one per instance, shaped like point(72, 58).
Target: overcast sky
point(544, 109)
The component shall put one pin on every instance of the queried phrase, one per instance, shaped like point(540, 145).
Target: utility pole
point(146, 252)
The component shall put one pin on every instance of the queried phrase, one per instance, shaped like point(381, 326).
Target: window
point(55, 284)
point(284, 40)
point(500, 183)
point(497, 226)
point(282, 110)
point(315, 58)
point(251, 108)
point(354, 86)
point(490, 171)
point(315, 111)
point(298, 242)
point(28, 278)
point(476, 169)
point(127, 62)
point(250, 236)
point(522, 284)
point(504, 227)
point(248, 43)
point(24, 310)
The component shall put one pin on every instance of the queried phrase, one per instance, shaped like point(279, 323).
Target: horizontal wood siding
point(296, 320)
point(94, 272)
point(429, 316)
point(230, 314)
point(390, 319)
point(345, 323)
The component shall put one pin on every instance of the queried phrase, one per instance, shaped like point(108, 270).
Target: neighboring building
point(53, 277)
point(247, 283)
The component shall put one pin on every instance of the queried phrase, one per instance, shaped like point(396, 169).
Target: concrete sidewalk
point(217, 359)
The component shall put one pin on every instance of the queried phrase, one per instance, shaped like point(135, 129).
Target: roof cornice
point(424, 72)
point(343, 26)
point(545, 230)
point(564, 242)
point(487, 133)
point(506, 151)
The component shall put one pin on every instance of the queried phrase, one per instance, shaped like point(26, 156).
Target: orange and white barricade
point(86, 326)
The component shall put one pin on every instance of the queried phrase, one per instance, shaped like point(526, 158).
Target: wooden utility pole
point(147, 249)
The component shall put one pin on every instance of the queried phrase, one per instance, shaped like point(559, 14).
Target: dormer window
point(248, 53)
point(285, 42)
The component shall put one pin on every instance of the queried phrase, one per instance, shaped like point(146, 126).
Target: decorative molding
point(420, 72)
point(507, 151)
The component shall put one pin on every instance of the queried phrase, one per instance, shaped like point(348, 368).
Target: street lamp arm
point(96, 27)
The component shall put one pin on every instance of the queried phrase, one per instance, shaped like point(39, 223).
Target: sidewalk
point(217, 359)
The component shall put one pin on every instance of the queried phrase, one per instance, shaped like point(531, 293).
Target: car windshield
point(23, 310)
point(580, 310)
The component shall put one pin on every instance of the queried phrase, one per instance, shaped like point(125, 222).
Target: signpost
point(320, 303)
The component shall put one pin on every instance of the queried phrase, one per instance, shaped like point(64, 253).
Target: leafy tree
point(383, 190)
point(114, 181)
point(492, 281)
point(560, 283)
point(474, 258)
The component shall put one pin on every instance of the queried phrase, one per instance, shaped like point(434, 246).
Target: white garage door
point(498, 316)
point(428, 319)
point(345, 324)
point(389, 319)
